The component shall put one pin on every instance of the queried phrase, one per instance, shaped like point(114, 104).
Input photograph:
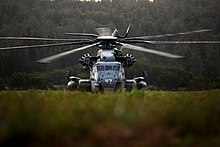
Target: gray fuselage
point(107, 76)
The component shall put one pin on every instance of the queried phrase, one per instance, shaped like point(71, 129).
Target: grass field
point(138, 118)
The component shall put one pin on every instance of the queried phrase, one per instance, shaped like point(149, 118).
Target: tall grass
point(139, 118)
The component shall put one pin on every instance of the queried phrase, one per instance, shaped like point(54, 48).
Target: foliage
point(29, 81)
point(43, 80)
point(2, 84)
point(44, 18)
point(138, 118)
point(158, 78)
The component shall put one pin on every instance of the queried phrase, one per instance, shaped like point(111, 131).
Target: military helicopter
point(107, 68)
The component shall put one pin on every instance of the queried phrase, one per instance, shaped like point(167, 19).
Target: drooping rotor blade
point(138, 48)
point(64, 54)
point(40, 39)
point(127, 31)
point(169, 35)
point(82, 34)
point(44, 45)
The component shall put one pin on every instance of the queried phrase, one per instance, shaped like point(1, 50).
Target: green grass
point(139, 118)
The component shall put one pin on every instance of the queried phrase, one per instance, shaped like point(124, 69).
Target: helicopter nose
point(108, 80)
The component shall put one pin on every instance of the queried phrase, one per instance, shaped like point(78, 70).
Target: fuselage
point(107, 76)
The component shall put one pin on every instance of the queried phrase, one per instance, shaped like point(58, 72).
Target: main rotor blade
point(138, 48)
point(64, 54)
point(43, 45)
point(134, 41)
point(169, 42)
point(82, 34)
point(169, 35)
point(182, 42)
point(40, 39)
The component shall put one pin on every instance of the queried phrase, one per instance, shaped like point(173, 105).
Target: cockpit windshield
point(108, 67)
point(100, 68)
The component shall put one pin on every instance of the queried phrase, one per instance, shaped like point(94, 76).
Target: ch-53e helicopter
point(107, 68)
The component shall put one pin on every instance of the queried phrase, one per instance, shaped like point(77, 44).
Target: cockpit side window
point(116, 68)
point(100, 68)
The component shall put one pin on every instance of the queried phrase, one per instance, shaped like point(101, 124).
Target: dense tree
point(45, 18)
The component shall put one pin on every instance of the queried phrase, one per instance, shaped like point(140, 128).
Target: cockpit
point(108, 67)
point(107, 70)
point(107, 74)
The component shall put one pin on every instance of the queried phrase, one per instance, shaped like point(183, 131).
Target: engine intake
point(87, 61)
point(129, 60)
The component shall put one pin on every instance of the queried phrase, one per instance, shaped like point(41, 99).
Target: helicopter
point(107, 67)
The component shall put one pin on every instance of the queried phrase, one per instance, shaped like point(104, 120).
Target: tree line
point(43, 18)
